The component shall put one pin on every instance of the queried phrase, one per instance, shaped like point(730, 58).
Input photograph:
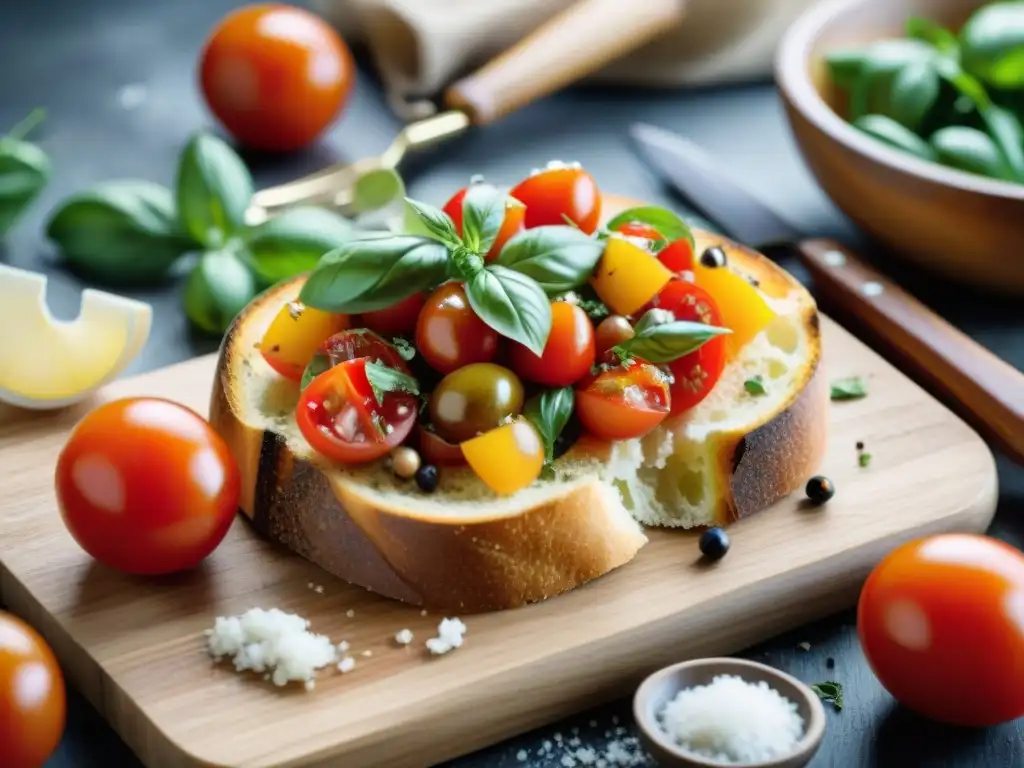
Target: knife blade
point(984, 390)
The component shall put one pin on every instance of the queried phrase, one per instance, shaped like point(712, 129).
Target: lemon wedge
point(49, 363)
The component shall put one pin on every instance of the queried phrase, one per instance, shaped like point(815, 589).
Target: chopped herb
point(755, 386)
point(588, 300)
point(850, 388)
point(864, 459)
point(830, 692)
point(384, 379)
point(405, 348)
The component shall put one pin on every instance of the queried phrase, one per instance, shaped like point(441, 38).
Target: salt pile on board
point(273, 642)
point(449, 637)
point(733, 721)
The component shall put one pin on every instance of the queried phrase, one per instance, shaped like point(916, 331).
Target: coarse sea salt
point(731, 720)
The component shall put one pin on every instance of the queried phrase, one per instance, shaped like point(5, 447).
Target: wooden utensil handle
point(983, 389)
point(575, 43)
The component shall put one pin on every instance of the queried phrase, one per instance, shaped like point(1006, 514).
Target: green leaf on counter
point(512, 304)
point(849, 388)
point(375, 273)
point(384, 379)
point(549, 412)
point(24, 171)
point(662, 342)
point(558, 258)
point(122, 232)
point(434, 223)
point(214, 189)
point(667, 224)
point(483, 211)
point(217, 289)
point(295, 241)
point(830, 692)
point(992, 42)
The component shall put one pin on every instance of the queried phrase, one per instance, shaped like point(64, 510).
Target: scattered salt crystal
point(805, 646)
point(346, 665)
point(318, 589)
point(449, 636)
point(343, 646)
point(367, 653)
point(522, 756)
point(403, 636)
point(350, 613)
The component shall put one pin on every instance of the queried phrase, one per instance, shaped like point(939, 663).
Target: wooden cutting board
point(136, 647)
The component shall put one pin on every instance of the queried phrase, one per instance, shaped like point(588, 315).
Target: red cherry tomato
point(695, 374)
point(555, 194)
point(677, 256)
point(449, 334)
point(436, 450)
point(340, 417)
point(568, 354)
point(33, 704)
point(512, 225)
point(146, 486)
point(623, 402)
point(275, 76)
point(399, 320)
point(351, 345)
point(941, 621)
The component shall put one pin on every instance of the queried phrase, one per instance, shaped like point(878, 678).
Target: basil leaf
point(850, 388)
point(755, 386)
point(24, 171)
point(668, 224)
point(483, 211)
point(214, 189)
point(375, 273)
point(1008, 134)
point(888, 131)
point(992, 41)
point(557, 258)
point(970, 150)
point(844, 66)
point(829, 692)
point(384, 379)
point(294, 241)
point(932, 33)
point(871, 91)
point(549, 412)
point(217, 289)
point(512, 304)
point(123, 232)
point(436, 223)
point(405, 348)
point(915, 90)
point(665, 342)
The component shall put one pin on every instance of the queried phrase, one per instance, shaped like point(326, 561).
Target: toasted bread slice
point(464, 549)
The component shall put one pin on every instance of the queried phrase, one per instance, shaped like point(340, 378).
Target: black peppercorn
point(714, 543)
point(426, 478)
point(713, 257)
point(820, 489)
point(860, 445)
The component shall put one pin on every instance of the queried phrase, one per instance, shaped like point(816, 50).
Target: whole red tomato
point(146, 486)
point(275, 76)
point(941, 621)
point(559, 194)
point(33, 705)
point(449, 334)
point(568, 354)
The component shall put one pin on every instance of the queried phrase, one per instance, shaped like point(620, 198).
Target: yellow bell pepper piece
point(628, 276)
point(507, 458)
point(743, 308)
point(294, 335)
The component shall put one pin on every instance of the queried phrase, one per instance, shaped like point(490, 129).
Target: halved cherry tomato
point(512, 225)
point(146, 486)
point(507, 458)
point(939, 620)
point(623, 402)
point(677, 256)
point(568, 354)
point(294, 335)
point(694, 375)
point(556, 194)
point(436, 450)
point(628, 276)
point(399, 320)
point(351, 345)
point(340, 417)
point(449, 334)
point(33, 702)
point(275, 76)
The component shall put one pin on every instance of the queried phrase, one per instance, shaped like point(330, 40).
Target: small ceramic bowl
point(661, 687)
point(966, 227)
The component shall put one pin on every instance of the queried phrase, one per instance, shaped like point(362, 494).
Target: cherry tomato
point(351, 345)
point(474, 399)
point(623, 402)
point(436, 450)
point(677, 256)
point(513, 223)
point(340, 417)
point(33, 705)
point(568, 354)
point(555, 194)
point(639, 229)
point(294, 335)
point(940, 621)
point(146, 486)
point(613, 330)
point(275, 76)
point(399, 320)
point(449, 334)
point(695, 374)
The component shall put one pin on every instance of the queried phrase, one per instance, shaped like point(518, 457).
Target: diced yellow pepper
point(628, 276)
point(507, 458)
point(294, 335)
point(744, 310)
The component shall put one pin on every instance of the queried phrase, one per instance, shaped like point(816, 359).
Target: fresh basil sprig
point(217, 290)
point(483, 211)
point(24, 171)
point(513, 304)
point(295, 241)
point(663, 342)
point(558, 258)
point(384, 379)
point(435, 222)
point(550, 412)
point(664, 222)
point(214, 189)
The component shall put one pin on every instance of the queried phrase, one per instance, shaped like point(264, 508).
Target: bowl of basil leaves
point(909, 113)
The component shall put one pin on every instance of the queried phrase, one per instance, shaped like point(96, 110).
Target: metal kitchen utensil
point(983, 389)
point(575, 43)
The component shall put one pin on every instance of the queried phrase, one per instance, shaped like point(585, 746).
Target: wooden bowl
point(662, 686)
point(965, 227)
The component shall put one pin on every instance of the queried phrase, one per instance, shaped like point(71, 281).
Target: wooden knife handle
point(983, 389)
point(575, 43)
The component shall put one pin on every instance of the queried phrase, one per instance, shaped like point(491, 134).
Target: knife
point(981, 388)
